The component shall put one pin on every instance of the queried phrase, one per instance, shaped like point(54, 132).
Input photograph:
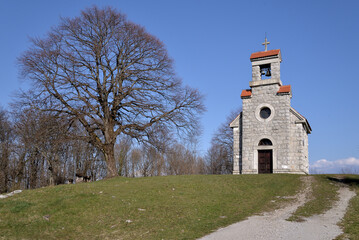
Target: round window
point(265, 113)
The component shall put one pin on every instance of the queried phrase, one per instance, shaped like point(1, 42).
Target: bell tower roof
point(265, 54)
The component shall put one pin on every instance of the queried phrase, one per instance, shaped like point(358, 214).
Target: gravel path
point(273, 225)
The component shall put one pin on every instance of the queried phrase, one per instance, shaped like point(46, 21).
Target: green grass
point(172, 207)
point(323, 196)
point(350, 223)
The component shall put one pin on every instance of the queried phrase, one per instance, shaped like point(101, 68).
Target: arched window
point(265, 142)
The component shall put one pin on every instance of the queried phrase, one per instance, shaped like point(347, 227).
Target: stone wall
point(276, 128)
point(236, 125)
point(298, 147)
point(274, 65)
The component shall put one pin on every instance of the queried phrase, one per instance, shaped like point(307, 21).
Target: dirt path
point(273, 225)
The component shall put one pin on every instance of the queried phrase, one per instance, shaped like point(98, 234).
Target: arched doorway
point(265, 157)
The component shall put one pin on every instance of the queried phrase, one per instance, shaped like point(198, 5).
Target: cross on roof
point(265, 44)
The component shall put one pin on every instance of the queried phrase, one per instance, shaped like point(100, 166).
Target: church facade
point(269, 136)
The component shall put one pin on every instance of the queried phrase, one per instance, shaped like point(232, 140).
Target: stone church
point(269, 135)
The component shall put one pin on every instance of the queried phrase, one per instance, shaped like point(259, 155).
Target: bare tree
point(44, 138)
point(136, 155)
point(6, 137)
point(122, 149)
point(110, 75)
point(181, 160)
point(220, 154)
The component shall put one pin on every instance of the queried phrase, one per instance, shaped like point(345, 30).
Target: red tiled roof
point(246, 93)
point(265, 54)
point(284, 89)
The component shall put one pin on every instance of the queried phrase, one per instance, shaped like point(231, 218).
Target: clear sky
point(211, 42)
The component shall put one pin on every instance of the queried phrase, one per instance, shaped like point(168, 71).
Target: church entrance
point(265, 161)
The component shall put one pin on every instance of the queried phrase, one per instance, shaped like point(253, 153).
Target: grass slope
point(350, 223)
point(171, 207)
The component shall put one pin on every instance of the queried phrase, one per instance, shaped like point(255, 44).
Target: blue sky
point(211, 41)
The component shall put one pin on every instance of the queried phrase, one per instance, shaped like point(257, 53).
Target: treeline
point(38, 149)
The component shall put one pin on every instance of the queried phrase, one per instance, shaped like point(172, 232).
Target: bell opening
point(265, 71)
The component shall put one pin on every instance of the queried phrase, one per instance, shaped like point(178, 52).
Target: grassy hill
point(171, 207)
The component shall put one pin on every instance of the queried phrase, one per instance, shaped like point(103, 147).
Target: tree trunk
point(110, 161)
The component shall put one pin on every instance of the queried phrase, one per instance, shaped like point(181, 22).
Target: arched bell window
point(265, 142)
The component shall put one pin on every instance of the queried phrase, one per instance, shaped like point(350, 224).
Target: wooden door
point(265, 162)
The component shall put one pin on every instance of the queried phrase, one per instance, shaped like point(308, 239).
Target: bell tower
point(266, 68)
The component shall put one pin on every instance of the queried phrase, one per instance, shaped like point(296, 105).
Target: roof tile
point(284, 89)
point(265, 54)
point(246, 93)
